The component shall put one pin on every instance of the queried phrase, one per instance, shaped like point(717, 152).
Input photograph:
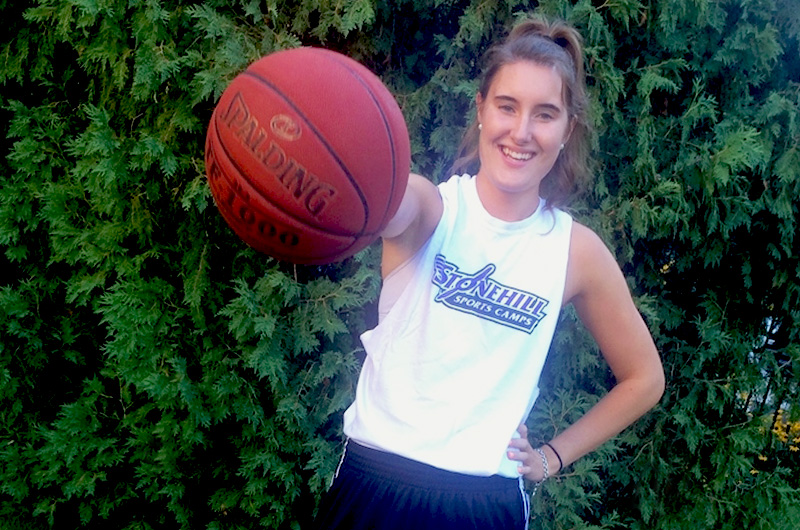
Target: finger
point(518, 443)
point(522, 430)
point(519, 456)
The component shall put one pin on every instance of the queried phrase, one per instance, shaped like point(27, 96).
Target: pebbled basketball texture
point(307, 156)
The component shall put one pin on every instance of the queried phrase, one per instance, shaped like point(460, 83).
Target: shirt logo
point(478, 294)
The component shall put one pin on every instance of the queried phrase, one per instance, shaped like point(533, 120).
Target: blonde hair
point(557, 45)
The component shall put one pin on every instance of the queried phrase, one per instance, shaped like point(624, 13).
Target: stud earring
point(480, 127)
point(562, 147)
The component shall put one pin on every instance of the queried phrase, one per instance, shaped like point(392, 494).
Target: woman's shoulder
point(413, 223)
point(591, 262)
point(584, 239)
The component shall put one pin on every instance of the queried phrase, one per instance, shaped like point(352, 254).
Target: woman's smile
point(516, 155)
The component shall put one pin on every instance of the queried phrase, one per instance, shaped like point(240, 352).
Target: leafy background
point(156, 373)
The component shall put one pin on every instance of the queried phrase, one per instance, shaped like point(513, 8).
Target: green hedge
point(156, 373)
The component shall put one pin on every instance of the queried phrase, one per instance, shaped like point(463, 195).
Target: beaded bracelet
point(544, 468)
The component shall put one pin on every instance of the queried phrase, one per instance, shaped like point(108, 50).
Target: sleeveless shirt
point(453, 366)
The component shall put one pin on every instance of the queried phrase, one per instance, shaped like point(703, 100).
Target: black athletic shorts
point(382, 491)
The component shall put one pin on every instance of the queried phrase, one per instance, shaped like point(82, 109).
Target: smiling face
point(524, 122)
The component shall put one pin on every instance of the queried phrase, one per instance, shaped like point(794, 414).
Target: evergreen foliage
point(156, 373)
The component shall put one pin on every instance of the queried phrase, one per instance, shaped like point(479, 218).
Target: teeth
point(515, 155)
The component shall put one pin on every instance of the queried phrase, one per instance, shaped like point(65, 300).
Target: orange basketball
point(307, 156)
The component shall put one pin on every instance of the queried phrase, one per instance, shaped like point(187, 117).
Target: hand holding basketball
point(307, 156)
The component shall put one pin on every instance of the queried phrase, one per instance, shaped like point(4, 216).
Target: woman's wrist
point(545, 464)
point(549, 458)
point(545, 469)
point(547, 446)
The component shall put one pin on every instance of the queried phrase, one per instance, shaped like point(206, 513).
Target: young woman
point(475, 273)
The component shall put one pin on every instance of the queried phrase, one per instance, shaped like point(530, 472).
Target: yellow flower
point(754, 472)
point(762, 458)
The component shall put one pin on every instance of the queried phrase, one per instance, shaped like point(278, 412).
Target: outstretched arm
point(597, 289)
point(412, 225)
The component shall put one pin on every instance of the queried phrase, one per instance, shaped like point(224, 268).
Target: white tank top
point(453, 366)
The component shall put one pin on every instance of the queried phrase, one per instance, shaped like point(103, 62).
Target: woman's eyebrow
point(501, 98)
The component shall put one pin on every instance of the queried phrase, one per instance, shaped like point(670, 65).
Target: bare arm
point(597, 289)
point(413, 224)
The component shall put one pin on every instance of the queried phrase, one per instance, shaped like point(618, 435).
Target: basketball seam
point(276, 251)
point(324, 142)
point(242, 171)
point(358, 76)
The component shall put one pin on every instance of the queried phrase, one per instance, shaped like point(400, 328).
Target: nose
point(522, 131)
